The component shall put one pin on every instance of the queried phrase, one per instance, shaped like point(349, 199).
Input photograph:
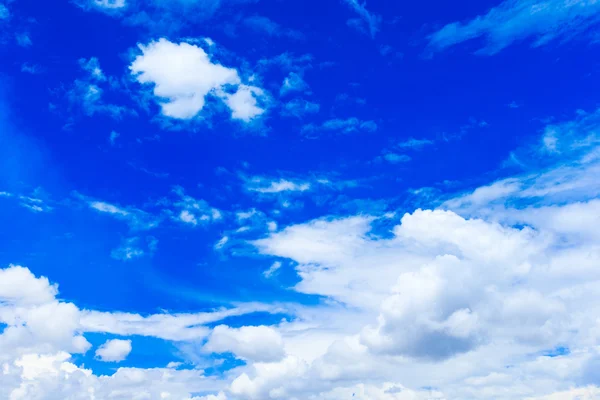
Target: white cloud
point(137, 219)
point(346, 126)
point(193, 211)
point(254, 343)
point(115, 350)
point(181, 87)
point(19, 286)
point(264, 185)
point(243, 103)
point(372, 21)
point(415, 144)
point(293, 83)
point(272, 269)
point(110, 3)
point(517, 20)
point(92, 66)
point(132, 248)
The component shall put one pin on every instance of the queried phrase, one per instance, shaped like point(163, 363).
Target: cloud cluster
point(181, 87)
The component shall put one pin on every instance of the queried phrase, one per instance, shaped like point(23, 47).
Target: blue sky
point(265, 199)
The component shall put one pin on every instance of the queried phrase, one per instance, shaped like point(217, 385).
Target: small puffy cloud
point(193, 211)
point(181, 87)
point(115, 350)
point(294, 82)
point(243, 103)
point(24, 40)
point(255, 343)
point(112, 138)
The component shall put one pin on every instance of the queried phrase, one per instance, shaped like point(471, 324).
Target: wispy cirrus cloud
point(262, 24)
point(339, 125)
point(517, 20)
point(368, 19)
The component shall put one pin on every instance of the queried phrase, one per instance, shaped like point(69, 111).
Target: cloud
point(24, 40)
point(92, 66)
point(109, 4)
point(193, 211)
point(243, 103)
point(267, 186)
point(161, 17)
point(415, 144)
point(132, 248)
point(371, 20)
point(87, 94)
point(135, 218)
point(4, 13)
point(269, 27)
point(32, 69)
point(181, 88)
point(394, 158)
point(19, 286)
point(115, 350)
point(254, 343)
point(31, 203)
point(112, 139)
point(518, 20)
point(272, 269)
point(293, 83)
point(298, 108)
point(346, 126)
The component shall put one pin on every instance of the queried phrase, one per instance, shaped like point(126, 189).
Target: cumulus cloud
point(254, 343)
point(181, 87)
point(517, 20)
point(115, 350)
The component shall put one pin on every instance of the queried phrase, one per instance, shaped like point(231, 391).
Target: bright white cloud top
point(183, 75)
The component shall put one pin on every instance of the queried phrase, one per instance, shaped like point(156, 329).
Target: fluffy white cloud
point(19, 286)
point(115, 350)
point(255, 343)
point(182, 75)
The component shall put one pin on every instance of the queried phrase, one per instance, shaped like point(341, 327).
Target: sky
point(299, 200)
